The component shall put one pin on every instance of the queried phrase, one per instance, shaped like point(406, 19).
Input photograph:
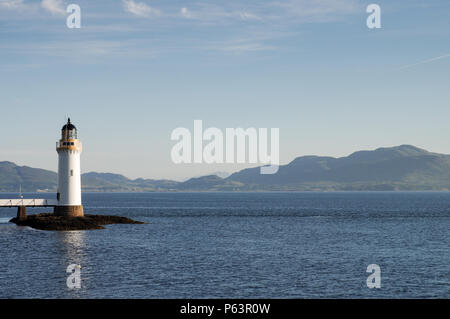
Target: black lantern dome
point(69, 126)
point(69, 131)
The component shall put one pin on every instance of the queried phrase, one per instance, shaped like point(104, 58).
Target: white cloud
point(316, 10)
point(186, 13)
point(12, 4)
point(216, 14)
point(245, 43)
point(286, 11)
point(140, 9)
point(249, 16)
point(55, 7)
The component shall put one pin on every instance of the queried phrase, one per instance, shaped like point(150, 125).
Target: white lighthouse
point(69, 177)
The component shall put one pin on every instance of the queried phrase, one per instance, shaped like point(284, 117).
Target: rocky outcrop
point(62, 223)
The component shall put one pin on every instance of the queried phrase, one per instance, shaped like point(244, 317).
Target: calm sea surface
point(237, 245)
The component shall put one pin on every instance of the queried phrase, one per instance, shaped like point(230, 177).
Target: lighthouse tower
point(69, 178)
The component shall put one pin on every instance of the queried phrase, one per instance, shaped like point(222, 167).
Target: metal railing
point(28, 202)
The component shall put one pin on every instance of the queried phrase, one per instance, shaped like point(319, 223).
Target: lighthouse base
point(69, 211)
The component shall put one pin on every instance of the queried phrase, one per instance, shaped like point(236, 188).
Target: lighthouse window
point(73, 134)
point(71, 172)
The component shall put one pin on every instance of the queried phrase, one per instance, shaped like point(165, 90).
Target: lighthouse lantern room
point(69, 177)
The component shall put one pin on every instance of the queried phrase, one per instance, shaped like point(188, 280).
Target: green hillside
point(403, 167)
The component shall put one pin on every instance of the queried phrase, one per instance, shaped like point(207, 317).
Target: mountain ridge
point(403, 167)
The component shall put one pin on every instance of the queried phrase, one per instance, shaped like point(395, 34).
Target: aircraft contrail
point(424, 62)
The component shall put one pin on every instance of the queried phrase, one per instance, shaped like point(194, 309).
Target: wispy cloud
point(16, 5)
point(140, 9)
point(216, 14)
point(242, 47)
point(186, 13)
point(83, 51)
point(298, 11)
point(425, 61)
point(250, 26)
point(55, 7)
point(315, 10)
point(11, 4)
point(286, 11)
point(247, 43)
point(249, 16)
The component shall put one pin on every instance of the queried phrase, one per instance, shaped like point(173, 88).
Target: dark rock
point(52, 222)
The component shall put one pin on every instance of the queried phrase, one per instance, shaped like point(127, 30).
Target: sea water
point(237, 245)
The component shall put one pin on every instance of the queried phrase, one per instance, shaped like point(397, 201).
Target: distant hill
point(107, 182)
point(403, 167)
point(35, 179)
point(31, 179)
point(209, 183)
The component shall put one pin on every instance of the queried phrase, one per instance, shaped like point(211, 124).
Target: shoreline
point(248, 191)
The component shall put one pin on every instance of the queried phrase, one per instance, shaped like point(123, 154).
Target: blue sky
point(136, 70)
